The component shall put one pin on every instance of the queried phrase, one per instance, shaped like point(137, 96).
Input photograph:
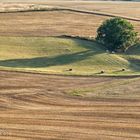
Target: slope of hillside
point(58, 55)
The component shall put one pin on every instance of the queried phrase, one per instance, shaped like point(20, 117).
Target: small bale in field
point(123, 69)
point(69, 69)
point(102, 72)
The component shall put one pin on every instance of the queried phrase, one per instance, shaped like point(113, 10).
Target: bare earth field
point(38, 107)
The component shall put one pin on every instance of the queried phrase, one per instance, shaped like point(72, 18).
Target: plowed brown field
point(36, 107)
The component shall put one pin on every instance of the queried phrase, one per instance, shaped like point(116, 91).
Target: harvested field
point(51, 23)
point(58, 22)
point(38, 107)
point(130, 9)
point(53, 107)
point(48, 24)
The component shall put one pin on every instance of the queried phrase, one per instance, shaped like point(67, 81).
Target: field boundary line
point(70, 75)
point(105, 14)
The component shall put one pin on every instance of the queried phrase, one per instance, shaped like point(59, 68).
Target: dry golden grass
point(131, 9)
point(36, 107)
point(39, 107)
point(51, 23)
point(48, 24)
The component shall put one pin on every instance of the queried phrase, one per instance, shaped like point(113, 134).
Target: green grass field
point(55, 55)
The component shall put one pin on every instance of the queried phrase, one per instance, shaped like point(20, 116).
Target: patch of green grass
point(56, 55)
point(119, 88)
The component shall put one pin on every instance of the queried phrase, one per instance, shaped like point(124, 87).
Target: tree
point(117, 34)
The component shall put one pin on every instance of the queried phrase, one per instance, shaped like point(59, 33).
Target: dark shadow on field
point(92, 49)
point(46, 61)
point(85, 42)
point(134, 64)
point(134, 50)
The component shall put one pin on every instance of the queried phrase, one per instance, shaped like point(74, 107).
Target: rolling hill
point(57, 55)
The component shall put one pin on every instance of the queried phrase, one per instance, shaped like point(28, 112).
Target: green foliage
point(117, 34)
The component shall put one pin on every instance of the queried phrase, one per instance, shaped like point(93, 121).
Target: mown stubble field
point(58, 22)
point(48, 24)
point(38, 107)
point(130, 9)
point(50, 107)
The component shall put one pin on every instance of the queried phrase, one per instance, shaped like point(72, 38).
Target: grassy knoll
point(58, 55)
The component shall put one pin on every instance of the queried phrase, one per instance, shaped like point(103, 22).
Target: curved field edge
point(66, 56)
point(43, 7)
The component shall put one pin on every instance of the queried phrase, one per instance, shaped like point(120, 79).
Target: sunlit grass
point(56, 55)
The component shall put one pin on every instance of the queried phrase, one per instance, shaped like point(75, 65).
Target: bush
point(117, 34)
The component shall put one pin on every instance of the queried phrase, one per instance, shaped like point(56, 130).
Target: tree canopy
point(117, 34)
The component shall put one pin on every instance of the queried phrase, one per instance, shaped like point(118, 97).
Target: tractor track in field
point(35, 106)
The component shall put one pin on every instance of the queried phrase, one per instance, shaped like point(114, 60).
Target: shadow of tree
point(134, 64)
point(39, 62)
point(48, 61)
point(134, 50)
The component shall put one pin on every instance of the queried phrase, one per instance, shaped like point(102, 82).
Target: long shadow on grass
point(48, 61)
point(134, 50)
point(135, 64)
point(92, 49)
